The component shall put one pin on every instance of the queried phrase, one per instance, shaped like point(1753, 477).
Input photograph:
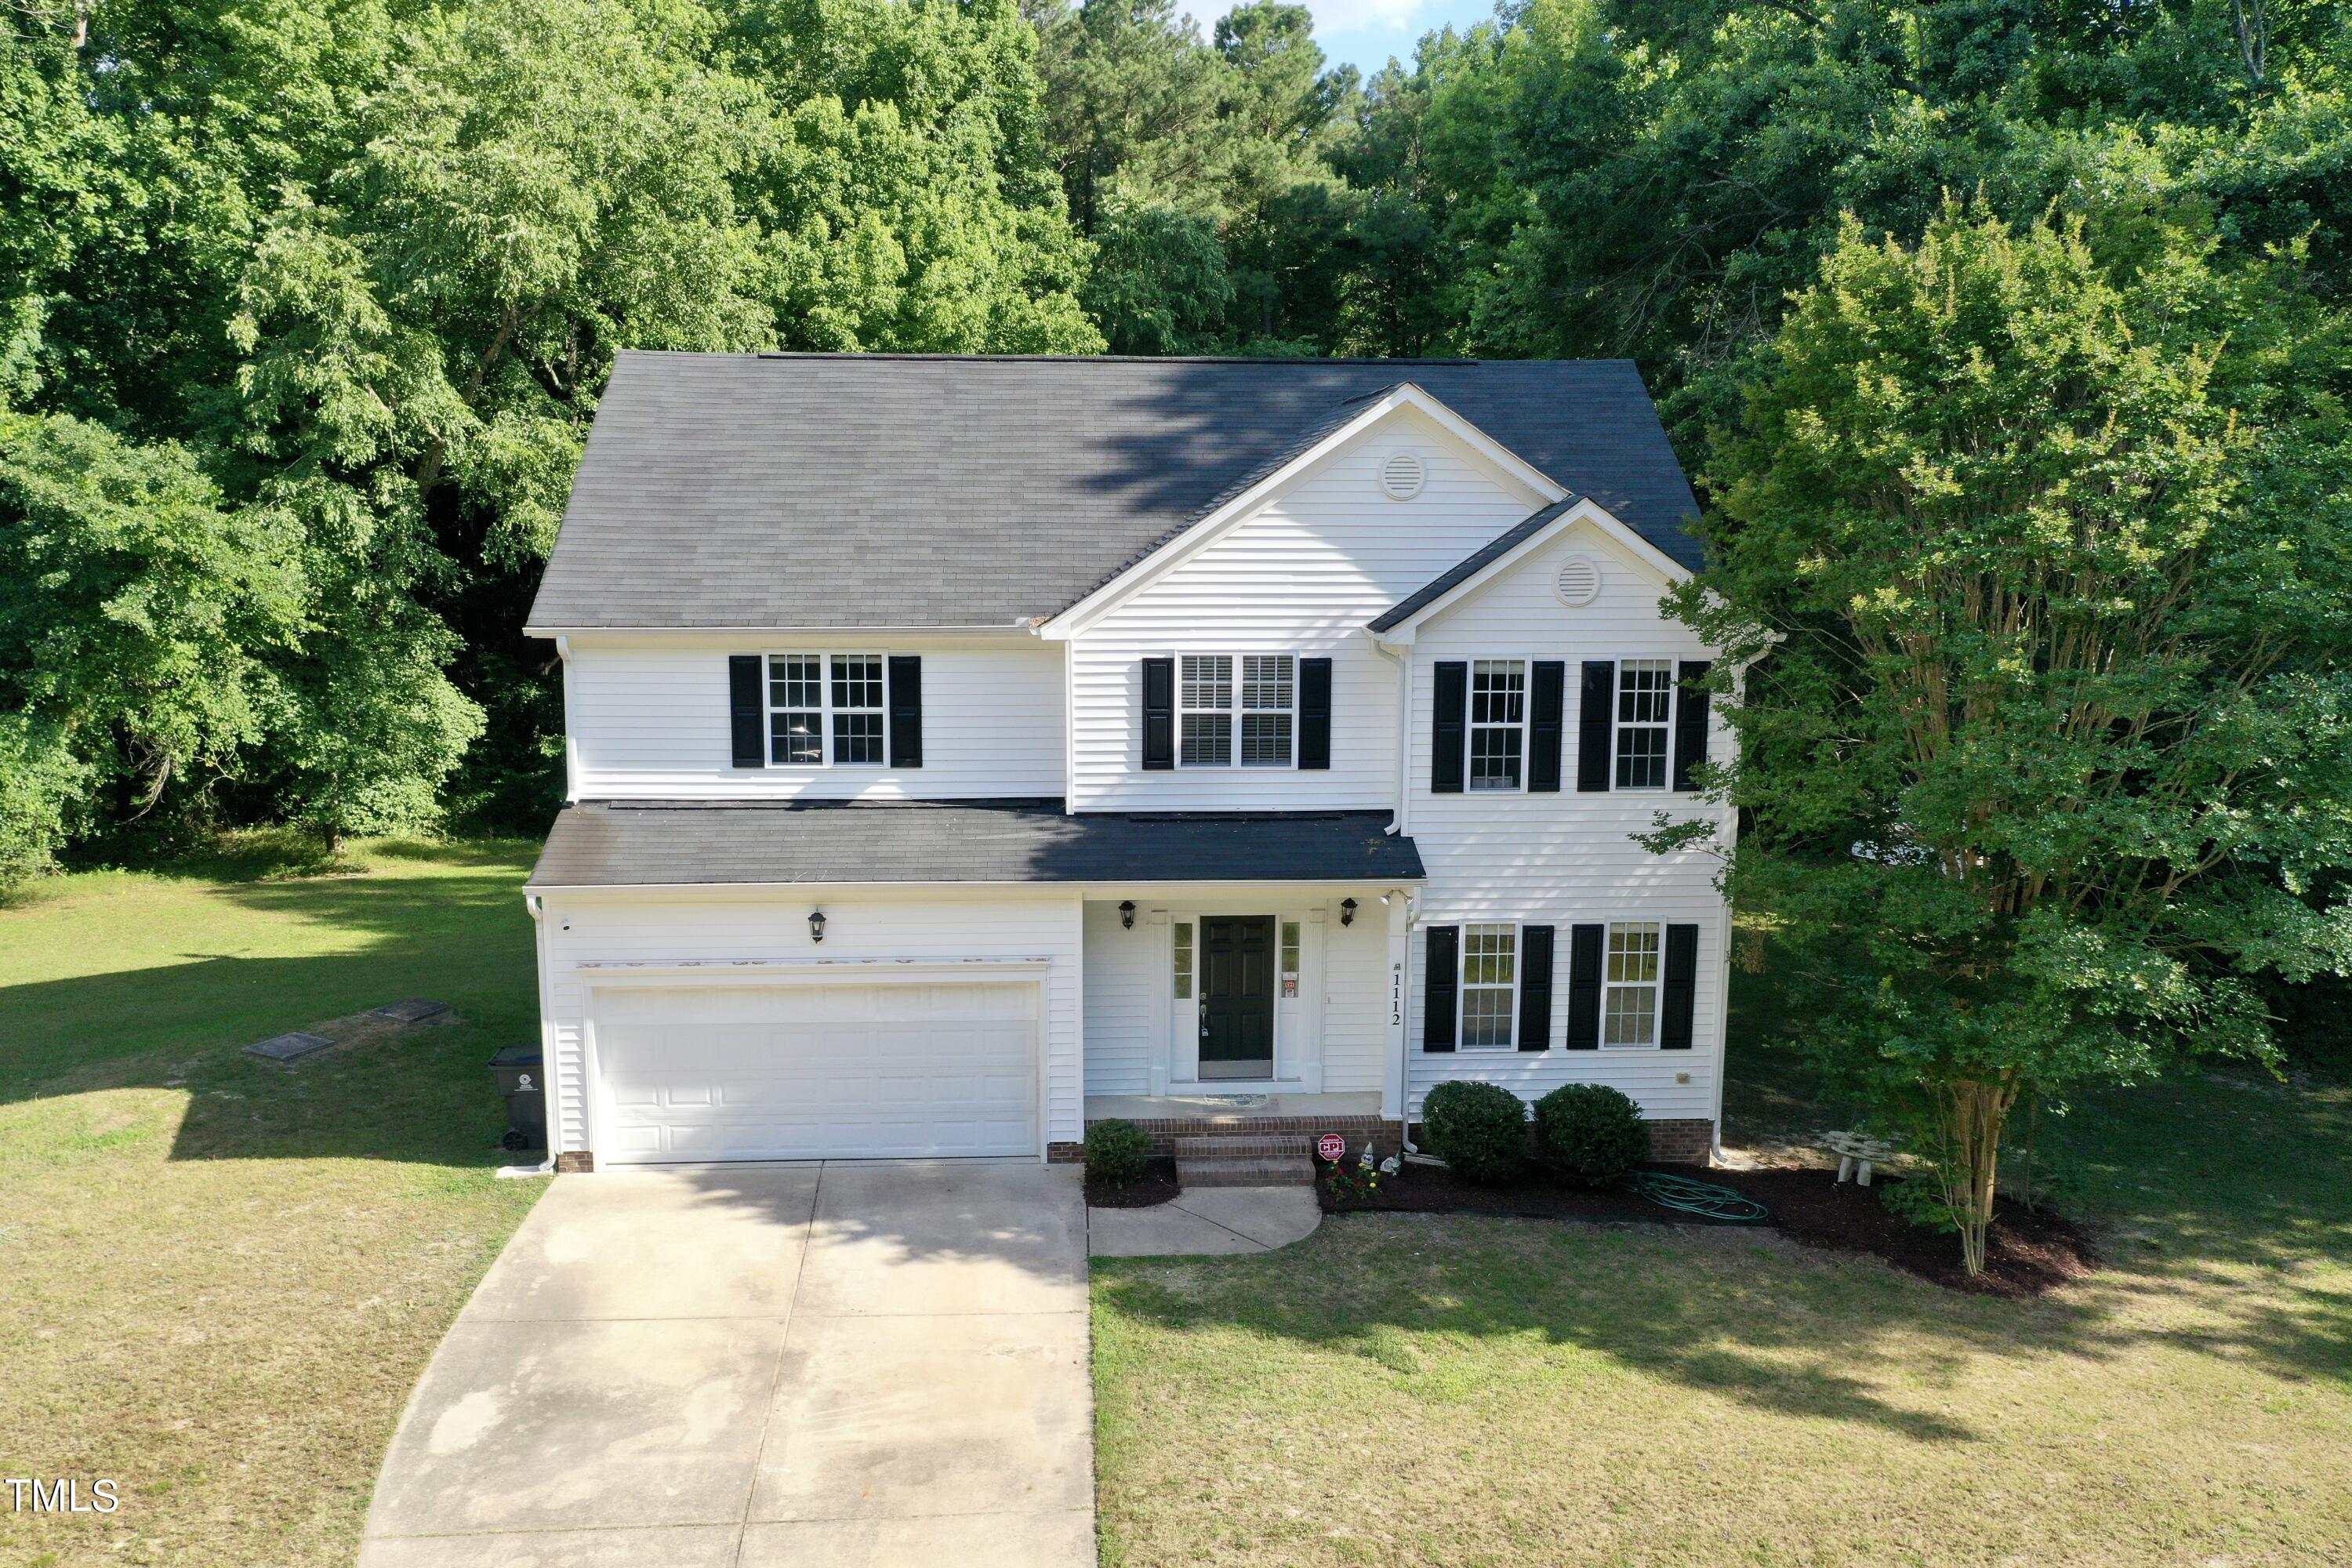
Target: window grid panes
point(1645, 690)
point(796, 701)
point(1268, 685)
point(1290, 958)
point(1629, 1015)
point(1499, 710)
point(1207, 700)
point(1490, 964)
point(1183, 961)
point(811, 695)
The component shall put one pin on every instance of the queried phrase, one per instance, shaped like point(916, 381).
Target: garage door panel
point(819, 1071)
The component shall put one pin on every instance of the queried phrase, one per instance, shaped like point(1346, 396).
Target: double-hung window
point(1212, 703)
point(1645, 693)
point(825, 705)
point(1490, 979)
point(1628, 1007)
point(1498, 718)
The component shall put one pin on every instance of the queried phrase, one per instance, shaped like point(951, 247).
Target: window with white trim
point(1184, 967)
point(1646, 695)
point(1498, 718)
point(1629, 1002)
point(1290, 958)
point(1490, 986)
point(1211, 704)
point(814, 698)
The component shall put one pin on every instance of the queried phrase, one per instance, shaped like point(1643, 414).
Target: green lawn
point(1407, 1389)
point(219, 1278)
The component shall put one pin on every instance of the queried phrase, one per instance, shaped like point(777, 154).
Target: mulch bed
point(1156, 1185)
point(2026, 1253)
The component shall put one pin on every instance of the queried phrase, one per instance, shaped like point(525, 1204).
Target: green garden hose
point(1701, 1198)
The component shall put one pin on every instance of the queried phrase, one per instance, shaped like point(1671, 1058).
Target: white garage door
point(805, 1072)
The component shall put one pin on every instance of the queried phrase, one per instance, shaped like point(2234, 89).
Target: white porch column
point(1392, 1086)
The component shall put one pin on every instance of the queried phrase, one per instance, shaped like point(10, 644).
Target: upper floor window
point(1498, 714)
point(814, 698)
point(1646, 694)
point(1213, 705)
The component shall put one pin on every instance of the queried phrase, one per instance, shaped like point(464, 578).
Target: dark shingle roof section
point(624, 844)
point(1470, 565)
point(889, 490)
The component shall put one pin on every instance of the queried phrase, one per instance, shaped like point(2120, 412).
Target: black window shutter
point(1449, 729)
point(1546, 689)
point(1535, 986)
point(1596, 709)
point(1681, 988)
point(906, 711)
point(1584, 987)
point(1314, 712)
point(1441, 983)
point(747, 708)
point(1690, 721)
point(1158, 712)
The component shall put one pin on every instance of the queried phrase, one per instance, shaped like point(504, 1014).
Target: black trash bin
point(525, 1087)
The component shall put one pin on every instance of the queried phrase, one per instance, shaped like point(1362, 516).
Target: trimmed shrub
point(1591, 1133)
point(1117, 1150)
point(1479, 1130)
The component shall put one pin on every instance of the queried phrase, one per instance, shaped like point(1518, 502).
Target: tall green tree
point(2048, 746)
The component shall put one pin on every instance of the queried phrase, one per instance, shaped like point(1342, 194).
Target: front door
point(1237, 996)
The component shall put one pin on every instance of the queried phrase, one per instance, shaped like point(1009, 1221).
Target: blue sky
point(1365, 33)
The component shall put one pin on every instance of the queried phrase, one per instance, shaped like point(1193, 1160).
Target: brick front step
point(1243, 1145)
point(1224, 1172)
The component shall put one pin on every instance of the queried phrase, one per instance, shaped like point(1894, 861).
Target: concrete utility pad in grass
point(861, 1363)
point(1206, 1222)
point(289, 1047)
point(413, 1009)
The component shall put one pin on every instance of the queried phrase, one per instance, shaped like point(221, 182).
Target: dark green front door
point(1237, 996)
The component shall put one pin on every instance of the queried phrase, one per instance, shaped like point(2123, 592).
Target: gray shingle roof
point(622, 844)
point(912, 491)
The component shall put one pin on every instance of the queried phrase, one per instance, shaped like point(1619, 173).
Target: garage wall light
point(816, 925)
point(1127, 913)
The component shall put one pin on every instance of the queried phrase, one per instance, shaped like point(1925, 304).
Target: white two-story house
point(961, 750)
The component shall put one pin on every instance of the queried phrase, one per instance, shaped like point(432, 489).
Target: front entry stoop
point(1246, 1160)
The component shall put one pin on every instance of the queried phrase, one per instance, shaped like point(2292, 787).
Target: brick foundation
point(575, 1162)
point(1163, 1132)
point(1682, 1140)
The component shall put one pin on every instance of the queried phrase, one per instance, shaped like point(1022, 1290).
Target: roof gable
point(1500, 555)
point(741, 490)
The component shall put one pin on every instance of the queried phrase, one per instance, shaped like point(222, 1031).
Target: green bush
point(1591, 1133)
point(1117, 1150)
point(1479, 1130)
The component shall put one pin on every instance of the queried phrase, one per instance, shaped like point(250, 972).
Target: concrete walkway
point(752, 1366)
point(1206, 1222)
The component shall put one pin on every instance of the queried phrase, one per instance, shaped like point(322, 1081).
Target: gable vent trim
point(1403, 476)
point(1580, 581)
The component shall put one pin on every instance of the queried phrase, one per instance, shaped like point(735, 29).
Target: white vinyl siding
point(1297, 579)
point(719, 927)
point(646, 718)
point(1564, 859)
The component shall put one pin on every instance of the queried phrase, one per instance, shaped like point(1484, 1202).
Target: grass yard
point(1420, 1389)
point(219, 1278)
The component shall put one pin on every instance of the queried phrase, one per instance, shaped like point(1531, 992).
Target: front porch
point(1354, 1115)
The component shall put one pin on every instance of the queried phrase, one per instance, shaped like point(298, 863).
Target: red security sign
point(1331, 1148)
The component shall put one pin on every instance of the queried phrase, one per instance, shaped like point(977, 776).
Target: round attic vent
point(1580, 581)
point(1403, 476)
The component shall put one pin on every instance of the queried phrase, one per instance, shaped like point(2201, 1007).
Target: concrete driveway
point(737, 1366)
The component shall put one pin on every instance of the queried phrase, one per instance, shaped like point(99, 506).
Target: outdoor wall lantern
point(1127, 913)
point(816, 925)
point(1347, 911)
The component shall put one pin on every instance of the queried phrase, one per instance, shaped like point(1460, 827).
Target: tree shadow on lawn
point(1778, 1327)
point(422, 1094)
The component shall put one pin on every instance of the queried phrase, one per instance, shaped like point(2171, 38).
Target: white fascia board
point(1008, 629)
point(1209, 528)
point(1403, 633)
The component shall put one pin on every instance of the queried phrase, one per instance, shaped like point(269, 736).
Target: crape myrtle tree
point(2032, 549)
